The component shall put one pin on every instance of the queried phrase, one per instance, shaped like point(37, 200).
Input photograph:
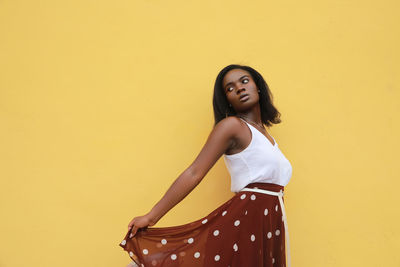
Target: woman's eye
point(243, 81)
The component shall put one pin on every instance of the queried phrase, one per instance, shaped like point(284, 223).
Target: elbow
point(195, 175)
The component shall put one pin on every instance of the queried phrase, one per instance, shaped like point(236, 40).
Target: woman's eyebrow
point(238, 80)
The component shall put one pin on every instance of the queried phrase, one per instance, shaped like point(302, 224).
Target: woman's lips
point(244, 98)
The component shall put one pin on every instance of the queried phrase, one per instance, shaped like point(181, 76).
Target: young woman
point(250, 229)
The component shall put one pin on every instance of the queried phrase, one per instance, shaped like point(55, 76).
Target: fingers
point(131, 224)
point(134, 230)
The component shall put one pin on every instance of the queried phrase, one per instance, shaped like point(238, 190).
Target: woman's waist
point(266, 186)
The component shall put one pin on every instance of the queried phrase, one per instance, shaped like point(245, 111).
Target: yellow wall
point(104, 103)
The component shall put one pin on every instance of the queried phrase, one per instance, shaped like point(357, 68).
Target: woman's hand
point(140, 222)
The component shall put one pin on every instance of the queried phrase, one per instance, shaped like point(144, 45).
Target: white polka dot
point(145, 251)
point(164, 241)
point(216, 232)
point(217, 257)
point(173, 257)
point(237, 222)
point(243, 196)
point(276, 207)
point(273, 260)
point(245, 213)
point(142, 265)
point(277, 232)
point(131, 235)
point(204, 221)
point(190, 240)
point(253, 197)
point(131, 253)
point(197, 254)
point(265, 212)
point(235, 247)
point(223, 214)
point(253, 237)
point(123, 242)
point(269, 235)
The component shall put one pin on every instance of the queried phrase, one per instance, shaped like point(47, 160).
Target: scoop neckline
point(273, 145)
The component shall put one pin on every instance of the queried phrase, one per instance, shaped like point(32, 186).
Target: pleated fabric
point(246, 230)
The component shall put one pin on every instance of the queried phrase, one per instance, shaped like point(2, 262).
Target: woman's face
point(240, 89)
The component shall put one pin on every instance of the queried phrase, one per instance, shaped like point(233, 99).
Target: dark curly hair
point(269, 114)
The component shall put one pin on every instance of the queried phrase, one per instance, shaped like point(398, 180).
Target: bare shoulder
point(230, 125)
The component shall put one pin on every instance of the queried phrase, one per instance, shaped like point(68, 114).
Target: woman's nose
point(239, 90)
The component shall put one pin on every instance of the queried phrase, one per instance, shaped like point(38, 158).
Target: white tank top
point(259, 162)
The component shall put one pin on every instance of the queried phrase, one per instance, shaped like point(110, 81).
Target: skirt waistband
point(266, 186)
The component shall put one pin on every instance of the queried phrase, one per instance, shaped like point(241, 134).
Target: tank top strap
point(249, 126)
point(258, 134)
point(244, 120)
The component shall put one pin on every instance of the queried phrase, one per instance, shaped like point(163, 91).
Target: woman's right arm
point(220, 139)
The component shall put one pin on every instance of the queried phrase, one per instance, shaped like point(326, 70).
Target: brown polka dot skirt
point(248, 230)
